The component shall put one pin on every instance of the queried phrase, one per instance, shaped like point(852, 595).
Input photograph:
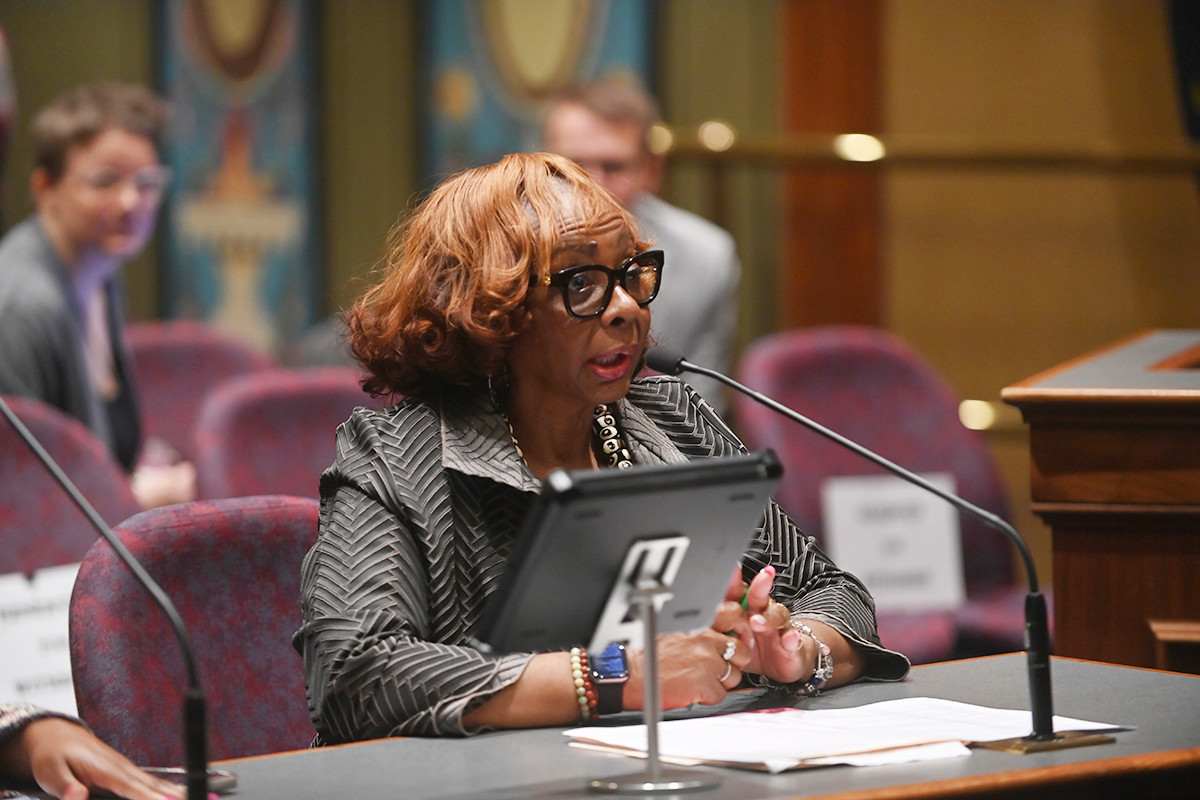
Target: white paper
point(35, 662)
point(898, 755)
point(899, 539)
point(786, 738)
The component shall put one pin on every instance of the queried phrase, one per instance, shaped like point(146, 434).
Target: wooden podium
point(1115, 473)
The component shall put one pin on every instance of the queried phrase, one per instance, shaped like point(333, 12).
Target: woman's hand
point(777, 649)
point(67, 761)
point(692, 668)
point(762, 625)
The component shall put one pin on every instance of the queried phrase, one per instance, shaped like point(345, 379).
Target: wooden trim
point(1165, 774)
point(1176, 630)
point(831, 83)
point(1176, 644)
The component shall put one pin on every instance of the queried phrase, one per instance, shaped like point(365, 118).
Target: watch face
point(610, 663)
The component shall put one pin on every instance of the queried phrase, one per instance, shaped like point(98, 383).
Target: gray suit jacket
point(696, 308)
point(41, 343)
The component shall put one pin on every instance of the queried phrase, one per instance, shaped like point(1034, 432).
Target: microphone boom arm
point(195, 725)
point(1037, 628)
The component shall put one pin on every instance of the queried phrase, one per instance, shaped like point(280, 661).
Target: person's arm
point(713, 341)
point(543, 695)
point(834, 604)
point(67, 760)
point(692, 668)
point(786, 648)
point(157, 485)
point(378, 662)
point(385, 645)
point(809, 586)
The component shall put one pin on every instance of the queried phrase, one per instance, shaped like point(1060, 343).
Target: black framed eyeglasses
point(587, 290)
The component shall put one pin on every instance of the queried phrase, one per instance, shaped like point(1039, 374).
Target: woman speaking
point(510, 322)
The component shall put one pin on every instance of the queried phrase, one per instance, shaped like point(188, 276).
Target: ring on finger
point(730, 649)
point(728, 671)
point(787, 620)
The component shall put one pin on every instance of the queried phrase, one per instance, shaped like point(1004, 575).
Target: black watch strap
point(610, 698)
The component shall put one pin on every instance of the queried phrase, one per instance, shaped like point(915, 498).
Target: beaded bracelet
point(824, 669)
point(585, 691)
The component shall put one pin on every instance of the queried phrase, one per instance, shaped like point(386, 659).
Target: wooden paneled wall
point(831, 268)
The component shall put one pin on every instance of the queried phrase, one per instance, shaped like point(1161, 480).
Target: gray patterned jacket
point(418, 514)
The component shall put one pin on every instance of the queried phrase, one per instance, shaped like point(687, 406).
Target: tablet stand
point(646, 597)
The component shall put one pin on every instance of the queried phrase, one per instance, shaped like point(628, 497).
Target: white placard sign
point(35, 661)
point(900, 540)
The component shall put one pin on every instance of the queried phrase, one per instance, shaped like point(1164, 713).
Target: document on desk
point(774, 740)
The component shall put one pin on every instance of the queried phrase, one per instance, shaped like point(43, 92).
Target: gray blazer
point(41, 342)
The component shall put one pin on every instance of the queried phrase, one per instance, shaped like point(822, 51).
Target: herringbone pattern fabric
point(418, 518)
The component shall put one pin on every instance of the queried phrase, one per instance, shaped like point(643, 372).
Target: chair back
point(274, 432)
point(175, 364)
point(232, 569)
point(42, 527)
point(872, 388)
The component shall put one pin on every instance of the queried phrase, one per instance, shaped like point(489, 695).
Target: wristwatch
point(610, 671)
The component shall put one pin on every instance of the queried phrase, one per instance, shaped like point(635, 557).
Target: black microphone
point(1037, 629)
point(195, 739)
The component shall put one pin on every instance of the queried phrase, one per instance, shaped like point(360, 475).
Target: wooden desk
point(1115, 473)
point(1159, 759)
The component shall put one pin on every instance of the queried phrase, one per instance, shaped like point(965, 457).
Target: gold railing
point(717, 148)
point(724, 147)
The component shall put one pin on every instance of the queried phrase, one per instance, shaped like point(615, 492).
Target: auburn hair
point(461, 268)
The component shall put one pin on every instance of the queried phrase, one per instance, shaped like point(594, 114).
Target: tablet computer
point(583, 530)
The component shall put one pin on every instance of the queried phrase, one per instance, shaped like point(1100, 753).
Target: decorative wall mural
point(489, 66)
point(242, 245)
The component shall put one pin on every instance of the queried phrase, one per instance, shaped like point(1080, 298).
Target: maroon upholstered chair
point(41, 526)
point(871, 387)
point(274, 432)
point(232, 569)
point(175, 365)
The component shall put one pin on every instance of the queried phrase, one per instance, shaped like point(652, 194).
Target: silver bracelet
point(824, 669)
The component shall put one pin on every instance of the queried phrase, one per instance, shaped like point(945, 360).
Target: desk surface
point(1161, 758)
point(1148, 366)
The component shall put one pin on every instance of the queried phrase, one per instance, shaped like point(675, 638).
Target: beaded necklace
point(604, 426)
point(606, 431)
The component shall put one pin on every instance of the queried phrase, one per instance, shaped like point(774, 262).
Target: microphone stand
point(1037, 629)
point(194, 735)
